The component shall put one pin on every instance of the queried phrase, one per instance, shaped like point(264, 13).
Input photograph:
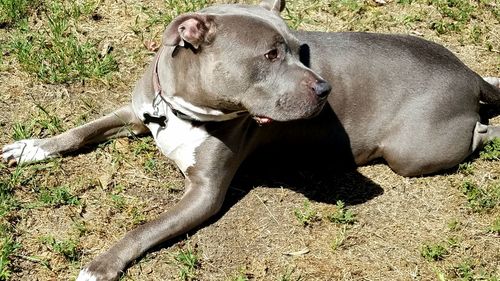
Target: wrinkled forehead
point(256, 12)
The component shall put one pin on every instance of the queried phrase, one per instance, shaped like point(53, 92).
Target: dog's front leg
point(121, 122)
point(205, 188)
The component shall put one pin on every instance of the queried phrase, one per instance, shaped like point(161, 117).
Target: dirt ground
point(122, 183)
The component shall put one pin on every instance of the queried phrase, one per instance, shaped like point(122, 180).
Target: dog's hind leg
point(121, 122)
point(483, 134)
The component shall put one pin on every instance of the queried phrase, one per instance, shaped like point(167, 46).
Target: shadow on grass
point(317, 184)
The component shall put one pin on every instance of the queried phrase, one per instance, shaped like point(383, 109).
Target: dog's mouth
point(262, 120)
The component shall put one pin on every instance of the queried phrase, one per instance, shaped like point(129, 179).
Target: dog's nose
point(322, 89)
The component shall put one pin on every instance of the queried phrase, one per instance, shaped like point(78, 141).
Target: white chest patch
point(179, 139)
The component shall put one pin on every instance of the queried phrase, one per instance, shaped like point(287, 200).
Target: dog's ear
point(276, 6)
point(194, 29)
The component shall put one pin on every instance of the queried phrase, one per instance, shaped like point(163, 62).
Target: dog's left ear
point(276, 6)
point(194, 29)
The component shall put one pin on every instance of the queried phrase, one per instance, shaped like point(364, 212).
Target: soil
point(257, 235)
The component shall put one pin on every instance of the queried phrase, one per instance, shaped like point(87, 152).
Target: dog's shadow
point(316, 184)
point(319, 185)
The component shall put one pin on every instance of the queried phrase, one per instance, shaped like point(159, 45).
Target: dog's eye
point(272, 55)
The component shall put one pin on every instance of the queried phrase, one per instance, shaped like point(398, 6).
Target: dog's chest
point(178, 139)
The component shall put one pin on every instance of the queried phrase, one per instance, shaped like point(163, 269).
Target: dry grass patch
point(64, 63)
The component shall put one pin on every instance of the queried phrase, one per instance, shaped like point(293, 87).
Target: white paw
point(25, 151)
point(85, 275)
point(493, 81)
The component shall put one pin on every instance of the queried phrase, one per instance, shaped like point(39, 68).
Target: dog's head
point(239, 57)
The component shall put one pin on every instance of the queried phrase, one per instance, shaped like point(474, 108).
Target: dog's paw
point(103, 268)
point(493, 81)
point(25, 151)
point(87, 274)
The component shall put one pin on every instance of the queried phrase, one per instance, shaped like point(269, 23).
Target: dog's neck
point(182, 108)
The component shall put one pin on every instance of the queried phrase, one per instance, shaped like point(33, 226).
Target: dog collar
point(179, 108)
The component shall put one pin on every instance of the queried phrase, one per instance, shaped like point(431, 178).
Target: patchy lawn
point(67, 62)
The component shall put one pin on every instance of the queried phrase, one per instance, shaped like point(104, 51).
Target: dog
point(214, 94)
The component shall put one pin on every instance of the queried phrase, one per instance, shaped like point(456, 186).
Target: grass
point(67, 248)
point(495, 227)
point(481, 199)
point(306, 215)
point(469, 270)
point(59, 196)
point(47, 42)
point(466, 168)
point(13, 11)
point(434, 251)
point(119, 201)
point(39, 125)
point(491, 151)
point(8, 247)
point(454, 15)
point(454, 225)
point(240, 276)
point(439, 250)
point(289, 276)
point(7, 185)
point(341, 215)
point(339, 239)
point(8, 204)
point(188, 261)
point(55, 52)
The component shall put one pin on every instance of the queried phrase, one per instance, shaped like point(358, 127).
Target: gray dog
point(230, 79)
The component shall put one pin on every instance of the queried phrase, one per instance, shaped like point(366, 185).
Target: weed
point(240, 277)
point(7, 247)
point(464, 270)
point(7, 183)
point(80, 227)
point(21, 131)
point(454, 15)
point(466, 168)
point(495, 227)
point(143, 145)
point(188, 262)
point(307, 215)
point(68, 248)
point(59, 196)
point(12, 11)
point(138, 216)
point(476, 34)
point(55, 54)
point(339, 239)
point(454, 225)
point(341, 215)
point(453, 242)
point(8, 203)
point(40, 125)
point(150, 165)
point(481, 199)
point(408, 20)
point(353, 6)
point(433, 252)
point(491, 151)
point(443, 27)
point(458, 10)
point(173, 8)
point(441, 276)
point(288, 276)
point(119, 201)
